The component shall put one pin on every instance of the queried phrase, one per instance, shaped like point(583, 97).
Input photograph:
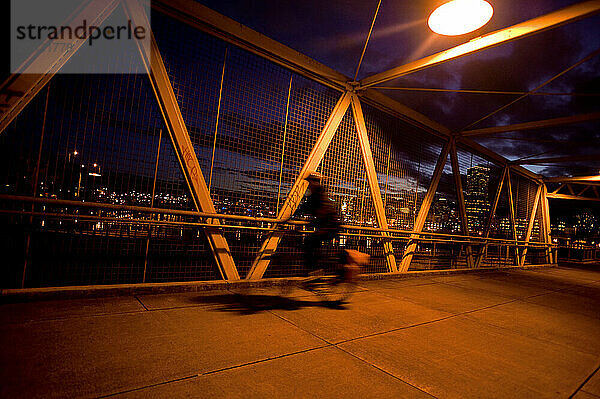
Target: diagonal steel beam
point(568, 120)
point(584, 190)
point(181, 141)
point(269, 246)
point(559, 188)
point(365, 148)
point(518, 31)
point(411, 246)
point(20, 88)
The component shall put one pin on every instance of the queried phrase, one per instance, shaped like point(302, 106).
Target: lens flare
point(458, 17)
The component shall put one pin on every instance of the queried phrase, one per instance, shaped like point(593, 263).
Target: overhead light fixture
point(458, 17)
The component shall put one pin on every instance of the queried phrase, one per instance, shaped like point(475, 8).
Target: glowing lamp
point(458, 17)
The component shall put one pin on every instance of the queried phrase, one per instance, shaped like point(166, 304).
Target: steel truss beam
point(411, 246)
point(496, 158)
point(471, 91)
point(23, 86)
point(182, 142)
point(572, 197)
point(365, 148)
point(577, 179)
point(531, 223)
point(576, 158)
point(518, 31)
point(462, 212)
point(269, 246)
point(532, 125)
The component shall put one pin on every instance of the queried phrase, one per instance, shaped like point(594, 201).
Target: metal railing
point(578, 253)
point(62, 242)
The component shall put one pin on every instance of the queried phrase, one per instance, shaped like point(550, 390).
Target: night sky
point(334, 33)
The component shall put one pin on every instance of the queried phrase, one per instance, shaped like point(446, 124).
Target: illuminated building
point(477, 202)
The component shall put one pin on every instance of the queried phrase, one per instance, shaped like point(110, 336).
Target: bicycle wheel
point(330, 289)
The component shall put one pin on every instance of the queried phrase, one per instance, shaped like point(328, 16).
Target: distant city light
point(458, 17)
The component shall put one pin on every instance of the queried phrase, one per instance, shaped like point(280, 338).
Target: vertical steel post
point(269, 246)
point(462, 212)
point(546, 232)
point(152, 204)
point(424, 210)
point(511, 213)
point(387, 174)
point(184, 149)
point(212, 158)
point(365, 148)
point(362, 199)
point(35, 187)
point(287, 112)
point(530, 224)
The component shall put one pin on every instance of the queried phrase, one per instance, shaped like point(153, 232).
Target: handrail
point(422, 235)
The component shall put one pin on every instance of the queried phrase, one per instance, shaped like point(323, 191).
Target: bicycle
point(338, 287)
point(334, 280)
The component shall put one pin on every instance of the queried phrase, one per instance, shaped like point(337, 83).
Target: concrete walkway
point(517, 334)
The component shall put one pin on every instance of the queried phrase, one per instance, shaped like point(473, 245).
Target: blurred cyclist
point(324, 219)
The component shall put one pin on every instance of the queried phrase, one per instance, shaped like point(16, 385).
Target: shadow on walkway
point(246, 303)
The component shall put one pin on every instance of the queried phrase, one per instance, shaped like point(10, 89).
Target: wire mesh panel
point(345, 177)
point(179, 253)
point(89, 252)
point(501, 225)
point(252, 124)
point(234, 105)
point(524, 193)
point(498, 255)
point(20, 149)
point(436, 255)
point(443, 216)
point(404, 158)
point(480, 179)
point(98, 139)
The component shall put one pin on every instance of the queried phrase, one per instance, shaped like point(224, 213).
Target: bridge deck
point(533, 333)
